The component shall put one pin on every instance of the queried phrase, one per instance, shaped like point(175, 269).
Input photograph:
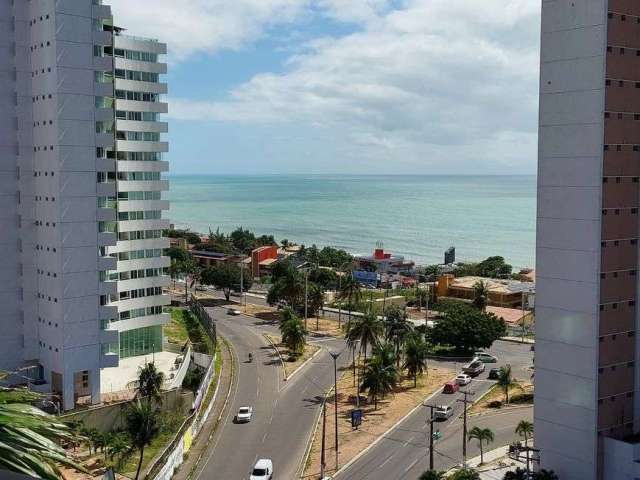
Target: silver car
point(442, 412)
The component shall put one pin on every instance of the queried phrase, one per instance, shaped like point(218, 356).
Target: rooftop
point(507, 287)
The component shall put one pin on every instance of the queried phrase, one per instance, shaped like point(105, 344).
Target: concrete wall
point(568, 234)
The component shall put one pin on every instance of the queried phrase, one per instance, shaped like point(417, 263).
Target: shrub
point(495, 404)
point(522, 398)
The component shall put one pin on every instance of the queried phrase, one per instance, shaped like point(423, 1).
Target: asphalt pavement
point(403, 452)
point(284, 412)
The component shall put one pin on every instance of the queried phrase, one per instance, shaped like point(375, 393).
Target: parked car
point(475, 368)
point(201, 288)
point(263, 470)
point(233, 311)
point(463, 379)
point(485, 357)
point(442, 412)
point(451, 387)
point(494, 374)
point(244, 414)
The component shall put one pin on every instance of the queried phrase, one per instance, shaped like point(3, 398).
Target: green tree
point(29, 437)
point(482, 435)
point(466, 328)
point(480, 295)
point(150, 381)
point(324, 277)
point(225, 276)
point(177, 254)
point(142, 425)
point(316, 301)
point(432, 475)
point(288, 286)
point(187, 268)
point(517, 474)
point(415, 361)
point(505, 381)
point(367, 330)
point(465, 474)
point(525, 429)
point(351, 292)
point(293, 334)
point(397, 328)
point(378, 379)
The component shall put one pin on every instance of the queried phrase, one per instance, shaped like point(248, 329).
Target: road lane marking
point(386, 461)
point(413, 464)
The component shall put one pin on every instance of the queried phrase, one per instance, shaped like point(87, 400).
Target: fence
point(173, 455)
point(205, 319)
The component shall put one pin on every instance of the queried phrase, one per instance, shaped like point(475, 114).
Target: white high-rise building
point(81, 167)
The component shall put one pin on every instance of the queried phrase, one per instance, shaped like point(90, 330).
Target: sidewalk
point(496, 463)
point(199, 447)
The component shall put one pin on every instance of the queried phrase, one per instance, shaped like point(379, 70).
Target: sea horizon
point(418, 216)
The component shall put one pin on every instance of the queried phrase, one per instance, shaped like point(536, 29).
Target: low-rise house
point(502, 293)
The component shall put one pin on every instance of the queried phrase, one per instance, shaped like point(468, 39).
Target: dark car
point(450, 387)
point(494, 374)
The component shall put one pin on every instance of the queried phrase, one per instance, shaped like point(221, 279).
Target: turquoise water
point(416, 216)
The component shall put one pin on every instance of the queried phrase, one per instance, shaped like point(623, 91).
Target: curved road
point(284, 412)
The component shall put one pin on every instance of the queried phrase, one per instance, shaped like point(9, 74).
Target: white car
point(485, 357)
point(244, 414)
point(263, 470)
point(442, 412)
point(233, 311)
point(463, 379)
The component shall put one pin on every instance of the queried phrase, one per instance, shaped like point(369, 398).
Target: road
point(284, 412)
point(403, 452)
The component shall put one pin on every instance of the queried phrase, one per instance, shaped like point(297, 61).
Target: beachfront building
point(384, 262)
point(502, 292)
point(587, 401)
point(82, 235)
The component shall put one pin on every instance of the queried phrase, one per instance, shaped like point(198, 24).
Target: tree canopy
point(226, 277)
point(326, 257)
point(467, 328)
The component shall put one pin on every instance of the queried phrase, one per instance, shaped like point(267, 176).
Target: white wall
point(568, 234)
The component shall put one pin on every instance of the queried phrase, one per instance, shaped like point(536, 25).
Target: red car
point(450, 387)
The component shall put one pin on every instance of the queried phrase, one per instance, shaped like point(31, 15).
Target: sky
point(347, 86)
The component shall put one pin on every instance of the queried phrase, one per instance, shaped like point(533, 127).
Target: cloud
point(433, 81)
point(205, 26)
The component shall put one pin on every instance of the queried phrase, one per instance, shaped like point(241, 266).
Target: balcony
point(109, 360)
point(108, 288)
point(107, 239)
point(106, 215)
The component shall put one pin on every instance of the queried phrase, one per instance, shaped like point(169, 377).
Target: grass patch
point(185, 326)
point(170, 423)
point(521, 393)
point(216, 378)
point(292, 363)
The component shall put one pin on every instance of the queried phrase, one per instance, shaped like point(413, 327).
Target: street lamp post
point(306, 296)
point(335, 398)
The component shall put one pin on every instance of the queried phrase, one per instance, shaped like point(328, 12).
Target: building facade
point(80, 168)
point(587, 403)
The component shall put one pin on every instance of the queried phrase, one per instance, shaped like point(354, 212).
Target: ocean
point(415, 216)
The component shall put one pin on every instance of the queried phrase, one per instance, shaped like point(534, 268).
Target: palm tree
point(480, 294)
point(465, 474)
point(525, 429)
point(432, 475)
point(367, 330)
point(316, 301)
point(142, 425)
point(188, 267)
point(397, 328)
point(415, 361)
point(294, 335)
point(482, 435)
point(29, 436)
point(351, 292)
point(505, 381)
point(379, 379)
point(150, 382)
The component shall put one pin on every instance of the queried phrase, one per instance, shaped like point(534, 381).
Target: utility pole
point(335, 392)
point(464, 425)
point(426, 306)
point(323, 462)
point(306, 296)
point(430, 420)
point(523, 301)
point(242, 287)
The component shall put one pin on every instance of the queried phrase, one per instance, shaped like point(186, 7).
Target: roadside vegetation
point(185, 326)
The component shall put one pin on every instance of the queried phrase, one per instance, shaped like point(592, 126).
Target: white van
point(263, 470)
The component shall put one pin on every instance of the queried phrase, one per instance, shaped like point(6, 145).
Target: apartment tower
point(587, 404)
point(80, 178)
